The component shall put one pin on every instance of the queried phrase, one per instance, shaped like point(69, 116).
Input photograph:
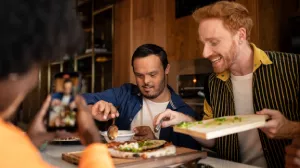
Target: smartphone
point(62, 110)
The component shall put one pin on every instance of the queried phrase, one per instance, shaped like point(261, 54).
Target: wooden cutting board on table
point(182, 155)
point(218, 127)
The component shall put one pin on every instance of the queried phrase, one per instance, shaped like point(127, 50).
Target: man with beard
point(139, 104)
point(247, 80)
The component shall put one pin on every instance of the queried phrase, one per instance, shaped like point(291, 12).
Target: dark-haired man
point(139, 104)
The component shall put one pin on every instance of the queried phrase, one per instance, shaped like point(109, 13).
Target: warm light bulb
point(194, 80)
point(101, 59)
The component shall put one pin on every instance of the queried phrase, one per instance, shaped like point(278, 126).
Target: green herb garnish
point(238, 119)
point(134, 150)
point(186, 124)
point(220, 119)
point(145, 143)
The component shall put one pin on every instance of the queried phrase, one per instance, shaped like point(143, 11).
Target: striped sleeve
point(208, 111)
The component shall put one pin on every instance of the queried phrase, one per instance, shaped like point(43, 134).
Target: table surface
point(52, 154)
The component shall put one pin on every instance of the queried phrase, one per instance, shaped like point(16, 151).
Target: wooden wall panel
point(171, 30)
point(270, 18)
point(186, 39)
point(287, 10)
point(253, 7)
point(142, 32)
point(153, 21)
point(122, 48)
point(274, 28)
point(160, 10)
point(137, 22)
point(149, 22)
point(142, 25)
point(269, 15)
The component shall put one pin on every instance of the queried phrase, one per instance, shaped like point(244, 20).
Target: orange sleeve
point(208, 111)
point(96, 156)
point(17, 149)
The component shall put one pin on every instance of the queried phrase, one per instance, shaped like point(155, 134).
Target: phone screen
point(62, 110)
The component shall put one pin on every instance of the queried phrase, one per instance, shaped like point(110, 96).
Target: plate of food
point(70, 140)
point(222, 126)
point(144, 149)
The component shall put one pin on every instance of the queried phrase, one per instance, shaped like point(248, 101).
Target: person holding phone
point(35, 32)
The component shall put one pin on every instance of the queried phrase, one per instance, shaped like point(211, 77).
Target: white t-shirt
point(249, 142)
point(147, 113)
point(66, 99)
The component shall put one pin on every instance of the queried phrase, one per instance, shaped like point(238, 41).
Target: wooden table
point(183, 155)
point(53, 155)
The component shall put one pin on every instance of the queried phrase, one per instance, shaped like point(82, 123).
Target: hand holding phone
point(37, 131)
point(87, 129)
point(62, 110)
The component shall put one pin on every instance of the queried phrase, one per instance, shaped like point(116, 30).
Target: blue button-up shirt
point(130, 101)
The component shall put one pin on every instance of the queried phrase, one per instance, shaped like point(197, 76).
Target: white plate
point(123, 135)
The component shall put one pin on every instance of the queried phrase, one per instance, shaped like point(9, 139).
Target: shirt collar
point(260, 57)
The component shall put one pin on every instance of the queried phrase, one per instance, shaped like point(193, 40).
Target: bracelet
point(43, 146)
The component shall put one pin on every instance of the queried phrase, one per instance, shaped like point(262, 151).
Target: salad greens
point(135, 147)
point(217, 121)
point(188, 124)
point(145, 143)
point(222, 119)
point(237, 119)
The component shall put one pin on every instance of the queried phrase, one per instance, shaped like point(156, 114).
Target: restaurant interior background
point(114, 28)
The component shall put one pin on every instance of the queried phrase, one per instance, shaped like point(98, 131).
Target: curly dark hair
point(36, 31)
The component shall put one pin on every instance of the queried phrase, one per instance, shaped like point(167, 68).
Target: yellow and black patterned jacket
point(275, 86)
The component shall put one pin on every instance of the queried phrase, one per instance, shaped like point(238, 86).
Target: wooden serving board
point(183, 155)
point(214, 128)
